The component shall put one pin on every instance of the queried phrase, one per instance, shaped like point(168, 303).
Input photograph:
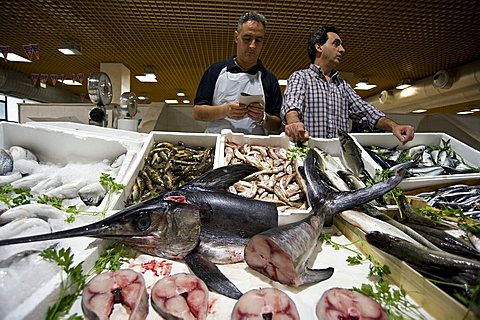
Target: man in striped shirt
point(317, 102)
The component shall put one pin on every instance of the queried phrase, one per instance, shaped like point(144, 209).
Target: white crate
point(58, 146)
point(192, 139)
point(388, 140)
point(96, 130)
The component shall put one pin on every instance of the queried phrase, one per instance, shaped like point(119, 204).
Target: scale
point(100, 92)
point(123, 118)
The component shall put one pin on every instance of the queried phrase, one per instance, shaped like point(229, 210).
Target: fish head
point(165, 227)
point(168, 228)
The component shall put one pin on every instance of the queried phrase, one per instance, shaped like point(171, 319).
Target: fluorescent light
point(70, 82)
point(364, 85)
point(186, 101)
point(171, 101)
point(419, 111)
point(282, 82)
point(14, 57)
point(403, 85)
point(70, 49)
point(147, 78)
point(143, 97)
point(475, 110)
point(181, 94)
point(464, 112)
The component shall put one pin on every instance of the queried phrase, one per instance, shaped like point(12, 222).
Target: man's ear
point(235, 36)
point(318, 46)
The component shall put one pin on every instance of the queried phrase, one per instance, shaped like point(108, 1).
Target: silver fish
point(351, 154)
point(6, 162)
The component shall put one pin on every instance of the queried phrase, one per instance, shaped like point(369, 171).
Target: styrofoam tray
point(98, 131)
point(388, 140)
point(58, 146)
point(54, 145)
point(193, 139)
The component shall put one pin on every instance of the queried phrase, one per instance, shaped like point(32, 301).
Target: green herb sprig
point(72, 286)
point(394, 301)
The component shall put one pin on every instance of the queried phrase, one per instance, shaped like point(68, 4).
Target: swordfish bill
point(168, 229)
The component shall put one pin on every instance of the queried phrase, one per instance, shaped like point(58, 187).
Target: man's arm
point(403, 132)
point(293, 99)
point(231, 109)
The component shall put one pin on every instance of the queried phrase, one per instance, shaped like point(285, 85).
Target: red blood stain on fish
point(211, 305)
point(160, 268)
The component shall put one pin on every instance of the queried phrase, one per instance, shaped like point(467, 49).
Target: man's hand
point(404, 133)
point(236, 111)
point(255, 111)
point(296, 131)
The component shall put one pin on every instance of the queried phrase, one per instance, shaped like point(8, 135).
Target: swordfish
point(199, 222)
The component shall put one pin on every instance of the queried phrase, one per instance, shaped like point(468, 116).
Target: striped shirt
point(325, 107)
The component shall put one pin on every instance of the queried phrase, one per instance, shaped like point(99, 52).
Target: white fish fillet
point(9, 178)
point(32, 210)
point(29, 181)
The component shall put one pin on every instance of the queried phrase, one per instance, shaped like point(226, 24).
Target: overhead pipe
point(465, 87)
point(19, 85)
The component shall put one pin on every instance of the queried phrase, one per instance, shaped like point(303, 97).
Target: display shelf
point(389, 141)
point(427, 295)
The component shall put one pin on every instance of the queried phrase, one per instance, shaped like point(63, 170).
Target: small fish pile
point(276, 181)
point(460, 196)
point(428, 160)
point(169, 166)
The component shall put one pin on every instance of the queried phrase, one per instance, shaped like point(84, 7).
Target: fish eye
point(143, 222)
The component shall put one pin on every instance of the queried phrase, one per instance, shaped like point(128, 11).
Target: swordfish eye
point(143, 222)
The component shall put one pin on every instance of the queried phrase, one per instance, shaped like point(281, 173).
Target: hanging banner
point(62, 78)
point(4, 50)
point(54, 78)
point(35, 78)
point(36, 50)
point(44, 78)
point(28, 51)
point(80, 77)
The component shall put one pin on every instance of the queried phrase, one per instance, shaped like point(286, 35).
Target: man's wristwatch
point(264, 119)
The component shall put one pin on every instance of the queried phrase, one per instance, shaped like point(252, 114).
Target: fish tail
point(315, 275)
point(223, 177)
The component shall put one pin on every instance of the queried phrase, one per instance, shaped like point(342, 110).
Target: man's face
point(249, 42)
point(333, 49)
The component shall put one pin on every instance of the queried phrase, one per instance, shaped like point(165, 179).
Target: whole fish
point(6, 162)
point(282, 253)
point(351, 155)
point(437, 264)
point(170, 225)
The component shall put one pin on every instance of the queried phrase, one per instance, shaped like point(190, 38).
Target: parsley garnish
point(71, 287)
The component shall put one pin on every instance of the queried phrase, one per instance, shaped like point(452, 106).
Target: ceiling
point(385, 41)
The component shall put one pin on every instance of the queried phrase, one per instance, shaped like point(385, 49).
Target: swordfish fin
point(212, 276)
point(223, 177)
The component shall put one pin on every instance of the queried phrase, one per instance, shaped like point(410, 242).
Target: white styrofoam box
point(192, 139)
point(57, 146)
point(388, 140)
point(100, 131)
